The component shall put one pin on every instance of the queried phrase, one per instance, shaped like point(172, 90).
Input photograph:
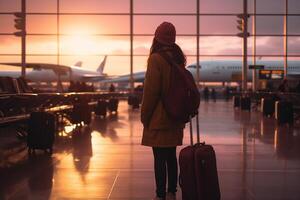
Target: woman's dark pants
point(165, 164)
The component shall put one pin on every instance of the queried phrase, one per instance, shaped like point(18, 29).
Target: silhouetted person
point(77, 86)
point(270, 86)
point(72, 87)
point(213, 94)
point(226, 93)
point(206, 93)
point(297, 89)
point(160, 132)
point(83, 87)
point(92, 88)
point(283, 87)
point(112, 88)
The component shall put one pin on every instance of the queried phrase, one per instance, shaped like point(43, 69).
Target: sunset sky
point(79, 31)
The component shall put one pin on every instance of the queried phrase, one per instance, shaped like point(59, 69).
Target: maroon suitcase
point(198, 177)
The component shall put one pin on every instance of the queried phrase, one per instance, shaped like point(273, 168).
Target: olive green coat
point(159, 130)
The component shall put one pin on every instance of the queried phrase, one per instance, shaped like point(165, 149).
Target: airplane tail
point(78, 64)
point(102, 65)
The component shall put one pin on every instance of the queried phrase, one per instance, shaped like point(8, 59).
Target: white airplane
point(222, 71)
point(44, 72)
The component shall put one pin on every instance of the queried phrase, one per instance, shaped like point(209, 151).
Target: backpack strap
point(167, 58)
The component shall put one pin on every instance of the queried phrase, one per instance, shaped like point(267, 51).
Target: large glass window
point(269, 25)
point(218, 25)
point(41, 45)
point(44, 6)
point(221, 6)
point(81, 24)
point(6, 24)
point(41, 24)
point(10, 5)
point(95, 6)
point(166, 6)
point(91, 29)
point(10, 45)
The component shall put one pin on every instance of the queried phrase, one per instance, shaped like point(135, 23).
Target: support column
point(23, 38)
point(254, 77)
point(198, 45)
point(245, 46)
point(131, 47)
point(285, 42)
point(57, 32)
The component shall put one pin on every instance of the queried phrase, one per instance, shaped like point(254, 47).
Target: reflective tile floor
point(256, 158)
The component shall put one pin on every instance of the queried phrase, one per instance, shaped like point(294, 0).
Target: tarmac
point(257, 159)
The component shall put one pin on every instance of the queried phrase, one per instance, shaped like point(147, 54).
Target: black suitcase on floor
point(284, 112)
point(198, 171)
point(245, 103)
point(101, 108)
point(130, 99)
point(41, 131)
point(135, 102)
point(268, 106)
point(113, 105)
point(81, 113)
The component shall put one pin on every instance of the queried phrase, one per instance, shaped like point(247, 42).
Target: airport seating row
point(285, 107)
point(23, 104)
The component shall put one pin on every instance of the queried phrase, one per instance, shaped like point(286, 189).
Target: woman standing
point(160, 132)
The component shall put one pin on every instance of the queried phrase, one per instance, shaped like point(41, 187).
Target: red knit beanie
point(165, 33)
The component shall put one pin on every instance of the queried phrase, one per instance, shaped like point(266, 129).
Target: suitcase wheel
point(48, 151)
point(30, 151)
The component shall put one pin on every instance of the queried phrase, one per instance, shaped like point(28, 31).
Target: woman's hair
point(176, 51)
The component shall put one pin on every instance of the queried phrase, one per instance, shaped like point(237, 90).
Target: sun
point(79, 44)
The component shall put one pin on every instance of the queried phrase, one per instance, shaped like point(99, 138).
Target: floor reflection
point(257, 159)
point(41, 178)
point(82, 149)
point(284, 139)
point(32, 179)
point(107, 126)
point(287, 143)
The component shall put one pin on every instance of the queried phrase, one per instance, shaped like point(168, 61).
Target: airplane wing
point(93, 78)
point(61, 69)
point(138, 77)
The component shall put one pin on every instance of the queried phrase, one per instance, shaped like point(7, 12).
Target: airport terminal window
point(294, 28)
point(96, 21)
point(48, 24)
point(50, 46)
point(226, 21)
point(94, 25)
point(294, 7)
point(91, 6)
point(4, 25)
point(10, 7)
point(264, 7)
point(156, 6)
point(269, 24)
point(232, 6)
point(275, 45)
point(44, 6)
point(152, 21)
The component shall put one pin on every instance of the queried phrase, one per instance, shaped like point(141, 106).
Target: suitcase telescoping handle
point(191, 130)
